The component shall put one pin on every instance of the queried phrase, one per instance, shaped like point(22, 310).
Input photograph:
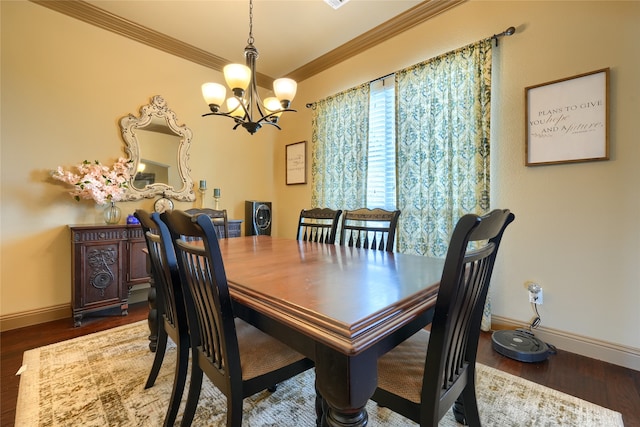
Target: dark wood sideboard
point(234, 228)
point(106, 261)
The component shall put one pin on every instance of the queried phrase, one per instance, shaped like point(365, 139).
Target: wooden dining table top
point(345, 298)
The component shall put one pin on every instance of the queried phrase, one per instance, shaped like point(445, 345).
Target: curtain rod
point(508, 32)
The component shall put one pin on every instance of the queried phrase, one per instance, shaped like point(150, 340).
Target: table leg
point(458, 411)
point(320, 403)
point(345, 383)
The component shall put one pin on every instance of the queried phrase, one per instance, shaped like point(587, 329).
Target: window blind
point(381, 168)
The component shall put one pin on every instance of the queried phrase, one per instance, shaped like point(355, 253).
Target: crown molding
point(98, 17)
point(385, 31)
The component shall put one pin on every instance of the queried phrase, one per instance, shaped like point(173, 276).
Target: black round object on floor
point(520, 345)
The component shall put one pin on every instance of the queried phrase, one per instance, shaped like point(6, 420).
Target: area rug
point(98, 380)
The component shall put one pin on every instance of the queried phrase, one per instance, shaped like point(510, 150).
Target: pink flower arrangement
point(96, 182)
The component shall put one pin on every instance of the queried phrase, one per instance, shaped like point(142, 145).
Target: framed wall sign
point(567, 120)
point(296, 161)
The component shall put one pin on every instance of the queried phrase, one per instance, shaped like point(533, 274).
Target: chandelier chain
point(250, 39)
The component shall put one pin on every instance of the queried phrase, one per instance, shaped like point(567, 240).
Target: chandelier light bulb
point(285, 90)
point(214, 94)
point(234, 108)
point(238, 77)
point(272, 104)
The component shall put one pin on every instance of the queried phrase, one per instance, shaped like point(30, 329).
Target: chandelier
point(246, 107)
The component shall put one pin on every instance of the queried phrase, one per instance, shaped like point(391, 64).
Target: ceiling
point(295, 38)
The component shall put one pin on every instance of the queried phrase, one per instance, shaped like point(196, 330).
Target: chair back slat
point(318, 225)
point(455, 329)
point(168, 316)
point(217, 216)
point(446, 354)
point(164, 269)
point(369, 229)
point(206, 290)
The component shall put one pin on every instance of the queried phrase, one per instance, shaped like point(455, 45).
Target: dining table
point(340, 306)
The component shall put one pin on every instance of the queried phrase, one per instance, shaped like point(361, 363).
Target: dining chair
point(171, 316)
point(239, 359)
point(369, 228)
point(318, 225)
point(432, 371)
point(216, 215)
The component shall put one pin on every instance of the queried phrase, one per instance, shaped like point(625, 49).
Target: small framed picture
point(568, 120)
point(296, 161)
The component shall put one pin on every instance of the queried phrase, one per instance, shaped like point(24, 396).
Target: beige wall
point(576, 231)
point(65, 85)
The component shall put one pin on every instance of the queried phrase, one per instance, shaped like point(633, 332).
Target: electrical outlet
point(536, 298)
point(535, 293)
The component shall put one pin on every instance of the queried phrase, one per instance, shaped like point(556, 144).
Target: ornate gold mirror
point(159, 150)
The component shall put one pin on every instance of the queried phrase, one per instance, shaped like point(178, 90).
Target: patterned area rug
point(97, 380)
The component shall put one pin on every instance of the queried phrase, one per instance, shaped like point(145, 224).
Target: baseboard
point(34, 317)
point(139, 293)
point(57, 312)
point(629, 357)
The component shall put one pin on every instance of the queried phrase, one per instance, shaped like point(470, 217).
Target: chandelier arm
point(274, 124)
point(266, 118)
point(223, 115)
point(244, 107)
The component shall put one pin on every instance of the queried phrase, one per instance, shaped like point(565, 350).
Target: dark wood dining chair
point(239, 359)
point(318, 225)
point(171, 316)
point(218, 216)
point(369, 228)
point(431, 371)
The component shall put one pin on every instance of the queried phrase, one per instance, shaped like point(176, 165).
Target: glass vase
point(112, 213)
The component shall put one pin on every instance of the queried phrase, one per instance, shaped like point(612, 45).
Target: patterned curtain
point(443, 110)
point(442, 125)
point(339, 150)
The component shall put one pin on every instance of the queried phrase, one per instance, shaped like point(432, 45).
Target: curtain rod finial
point(508, 32)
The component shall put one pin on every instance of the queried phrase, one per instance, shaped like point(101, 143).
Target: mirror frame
point(129, 124)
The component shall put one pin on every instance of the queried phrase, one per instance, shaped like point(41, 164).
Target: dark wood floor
point(601, 383)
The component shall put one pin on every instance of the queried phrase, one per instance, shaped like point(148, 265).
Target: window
point(416, 141)
point(381, 155)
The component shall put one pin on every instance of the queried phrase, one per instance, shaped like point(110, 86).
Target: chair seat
point(402, 369)
point(260, 353)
